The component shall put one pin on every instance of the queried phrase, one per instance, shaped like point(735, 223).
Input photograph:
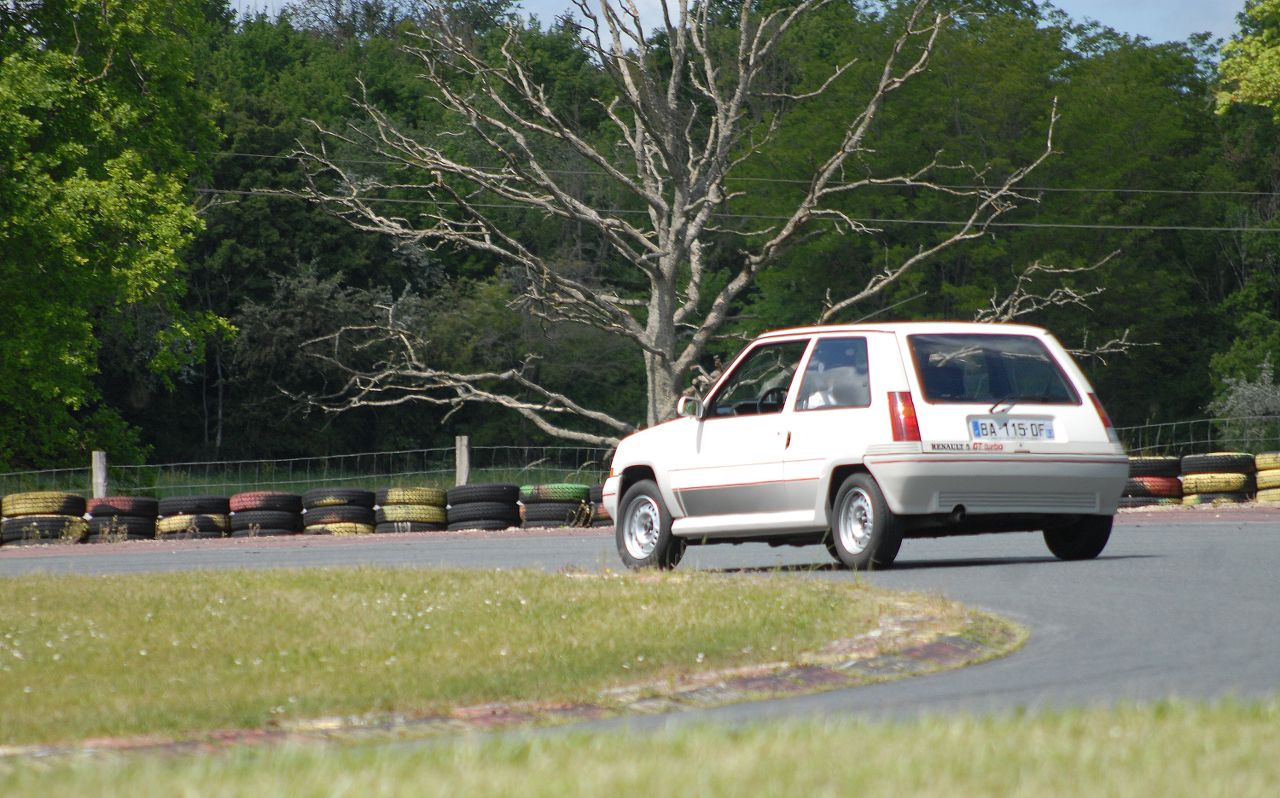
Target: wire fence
point(521, 465)
point(372, 470)
point(1252, 434)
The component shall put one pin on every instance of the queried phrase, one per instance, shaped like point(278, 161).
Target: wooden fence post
point(462, 459)
point(98, 467)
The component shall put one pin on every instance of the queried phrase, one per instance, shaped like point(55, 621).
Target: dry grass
point(174, 654)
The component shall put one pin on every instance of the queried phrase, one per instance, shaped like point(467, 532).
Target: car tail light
point(902, 415)
point(1106, 419)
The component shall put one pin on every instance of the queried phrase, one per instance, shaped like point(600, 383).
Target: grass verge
point(179, 654)
point(1166, 750)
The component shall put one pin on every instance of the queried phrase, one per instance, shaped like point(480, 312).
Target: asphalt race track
point(1180, 605)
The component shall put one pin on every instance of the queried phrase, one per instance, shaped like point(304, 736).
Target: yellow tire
point(429, 497)
point(1269, 479)
point(341, 528)
point(1269, 496)
point(204, 525)
point(1267, 461)
point(422, 513)
point(1215, 483)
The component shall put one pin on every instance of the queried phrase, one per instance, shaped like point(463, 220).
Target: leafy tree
point(1250, 65)
point(99, 123)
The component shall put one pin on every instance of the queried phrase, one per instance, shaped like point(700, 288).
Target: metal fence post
point(462, 459)
point(98, 467)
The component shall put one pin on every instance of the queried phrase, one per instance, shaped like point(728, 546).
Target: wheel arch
point(630, 476)
point(838, 475)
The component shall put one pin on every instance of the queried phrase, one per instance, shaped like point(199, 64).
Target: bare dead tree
point(1023, 301)
point(684, 125)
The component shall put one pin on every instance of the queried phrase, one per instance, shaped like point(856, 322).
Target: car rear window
point(989, 368)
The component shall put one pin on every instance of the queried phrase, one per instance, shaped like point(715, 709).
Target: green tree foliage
point(1251, 60)
point(99, 120)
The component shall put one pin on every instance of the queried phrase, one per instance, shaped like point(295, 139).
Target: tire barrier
point(194, 517)
point(410, 510)
point(42, 503)
point(43, 528)
point(1218, 478)
point(491, 506)
point(117, 518)
point(556, 504)
point(1158, 466)
point(337, 511)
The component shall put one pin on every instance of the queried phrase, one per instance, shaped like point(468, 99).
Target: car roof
point(919, 327)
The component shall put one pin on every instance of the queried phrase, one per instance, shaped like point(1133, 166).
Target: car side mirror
point(689, 406)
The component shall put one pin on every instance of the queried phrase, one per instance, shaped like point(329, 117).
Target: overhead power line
point(797, 181)
point(769, 218)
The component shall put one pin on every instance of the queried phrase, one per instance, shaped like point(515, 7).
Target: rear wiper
point(1012, 399)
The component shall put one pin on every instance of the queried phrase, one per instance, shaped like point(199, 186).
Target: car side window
point(836, 375)
point(761, 382)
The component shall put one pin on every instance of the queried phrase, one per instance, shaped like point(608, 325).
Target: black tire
point(337, 497)
point(266, 500)
point(1218, 463)
point(865, 534)
point(427, 497)
point(195, 505)
point(41, 502)
point(246, 520)
point(461, 526)
point(411, 513)
point(1155, 466)
point(46, 528)
point(467, 494)
point(338, 514)
point(557, 514)
point(263, 532)
point(596, 495)
point(1131, 502)
point(123, 526)
point(485, 511)
point(402, 527)
point(133, 506)
point(1083, 539)
point(643, 534)
point(554, 492)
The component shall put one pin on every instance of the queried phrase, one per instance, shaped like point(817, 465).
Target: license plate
point(996, 428)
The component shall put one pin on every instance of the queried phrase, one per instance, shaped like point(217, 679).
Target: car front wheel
point(644, 529)
point(1082, 540)
point(865, 534)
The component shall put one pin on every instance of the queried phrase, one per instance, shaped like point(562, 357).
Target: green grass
point(1165, 750)
point(174, 654)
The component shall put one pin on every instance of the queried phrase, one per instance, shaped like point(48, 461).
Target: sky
point(1158, 20)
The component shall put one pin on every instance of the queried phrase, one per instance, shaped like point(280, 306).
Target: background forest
point(158, 285)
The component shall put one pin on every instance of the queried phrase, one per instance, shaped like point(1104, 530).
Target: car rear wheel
point(865, 534)
point(644, 529)
point(1081, 540)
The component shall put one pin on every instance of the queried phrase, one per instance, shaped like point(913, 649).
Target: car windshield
point(994, 369)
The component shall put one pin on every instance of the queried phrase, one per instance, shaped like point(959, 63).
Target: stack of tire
point(410, 510)
point(1268, 477)
point(557, 504)
point(1217, 478)
point(337, 511)
point(194, 517)
point(42, 517)
point(599, 515)
point(265, 514)
point(1153, 481)
point(492, 506)
point(118, 518)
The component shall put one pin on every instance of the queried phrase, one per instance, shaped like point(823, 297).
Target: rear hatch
point(1003, 392)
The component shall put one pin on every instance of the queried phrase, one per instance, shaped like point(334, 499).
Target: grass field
point(1165, 750)
point(176, 654)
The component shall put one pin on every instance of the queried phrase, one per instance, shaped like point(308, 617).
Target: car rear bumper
point(918, 484)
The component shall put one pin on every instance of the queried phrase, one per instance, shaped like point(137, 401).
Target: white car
point(858, 436)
